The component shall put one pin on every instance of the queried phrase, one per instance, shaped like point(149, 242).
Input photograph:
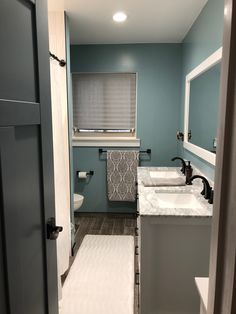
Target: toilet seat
point(78, 197)
point(78, 201)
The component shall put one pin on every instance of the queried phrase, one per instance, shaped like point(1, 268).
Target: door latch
point(53, 230)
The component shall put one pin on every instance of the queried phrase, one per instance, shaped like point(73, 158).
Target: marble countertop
point(148, 202)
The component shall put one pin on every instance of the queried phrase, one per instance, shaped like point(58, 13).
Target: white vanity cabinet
point(173, 243)
point(173, 251)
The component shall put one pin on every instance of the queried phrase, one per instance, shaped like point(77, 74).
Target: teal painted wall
point(159, 69)
point(94, 188)
point(204, 38)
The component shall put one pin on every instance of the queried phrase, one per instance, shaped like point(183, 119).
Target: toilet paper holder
point(88, 173)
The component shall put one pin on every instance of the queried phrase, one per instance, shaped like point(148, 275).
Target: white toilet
point(78, 201)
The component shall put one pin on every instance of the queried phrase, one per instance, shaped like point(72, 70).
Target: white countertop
point(202, 284)
point(148, 204)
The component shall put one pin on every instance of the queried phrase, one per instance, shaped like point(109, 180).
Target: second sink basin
point(162, 174)
point(177, 200)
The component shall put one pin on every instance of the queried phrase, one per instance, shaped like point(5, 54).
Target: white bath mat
point(101, 279)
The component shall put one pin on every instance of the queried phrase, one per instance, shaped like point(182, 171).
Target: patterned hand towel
point(122, 175)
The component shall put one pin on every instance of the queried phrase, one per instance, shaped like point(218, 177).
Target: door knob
point(53, 230)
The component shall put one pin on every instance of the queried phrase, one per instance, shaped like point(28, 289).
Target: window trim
point(106, 142)
point(95, 138)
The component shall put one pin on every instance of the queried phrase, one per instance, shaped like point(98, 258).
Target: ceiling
point(149, 21)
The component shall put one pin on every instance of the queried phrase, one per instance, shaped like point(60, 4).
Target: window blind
point(104, 101)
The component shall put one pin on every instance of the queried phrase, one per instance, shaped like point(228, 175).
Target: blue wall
point(204, 38)
point(159, 68)
point(161, 72)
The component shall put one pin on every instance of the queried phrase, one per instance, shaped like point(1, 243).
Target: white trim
point(201, 152)
point(201, 68)
point(202, 284)
point(105, 142)
point(206, 64)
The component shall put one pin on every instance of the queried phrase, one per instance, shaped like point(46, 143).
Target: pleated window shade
point(104, 101)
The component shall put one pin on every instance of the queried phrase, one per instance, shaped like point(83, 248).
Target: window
point(104, 104)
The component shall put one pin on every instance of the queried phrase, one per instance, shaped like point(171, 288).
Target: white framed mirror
point(202, 87)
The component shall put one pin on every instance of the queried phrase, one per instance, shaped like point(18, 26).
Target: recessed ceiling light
point(119, 17)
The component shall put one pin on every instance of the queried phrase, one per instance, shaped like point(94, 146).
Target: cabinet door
point(174, 250)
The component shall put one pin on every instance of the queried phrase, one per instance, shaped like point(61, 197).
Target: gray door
point(28, 272)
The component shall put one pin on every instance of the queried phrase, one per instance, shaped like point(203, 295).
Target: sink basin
point(160, 174)
point(177, 200)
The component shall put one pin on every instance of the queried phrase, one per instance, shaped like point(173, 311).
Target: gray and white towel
point(122, 175)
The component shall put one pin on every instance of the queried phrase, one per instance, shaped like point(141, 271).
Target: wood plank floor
point(105, 224)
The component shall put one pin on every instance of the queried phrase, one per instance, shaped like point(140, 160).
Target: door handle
point(53, 230)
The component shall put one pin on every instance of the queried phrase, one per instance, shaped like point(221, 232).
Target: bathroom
point(118, 146)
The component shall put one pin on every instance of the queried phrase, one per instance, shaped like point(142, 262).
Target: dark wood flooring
point(105, 224)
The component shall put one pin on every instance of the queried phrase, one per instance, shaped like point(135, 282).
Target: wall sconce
point(180, 135)
point(189, 135)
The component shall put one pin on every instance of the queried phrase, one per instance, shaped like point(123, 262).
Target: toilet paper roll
point(82, 175)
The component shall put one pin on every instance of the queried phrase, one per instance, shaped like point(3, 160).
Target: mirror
point(201, 107)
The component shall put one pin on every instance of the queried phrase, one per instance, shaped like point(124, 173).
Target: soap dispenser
point(188, 173)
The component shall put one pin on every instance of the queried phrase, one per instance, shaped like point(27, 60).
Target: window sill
point(105, 142)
